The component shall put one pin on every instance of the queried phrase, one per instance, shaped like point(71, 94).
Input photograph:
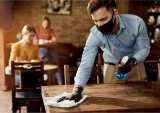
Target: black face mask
point(107, 27)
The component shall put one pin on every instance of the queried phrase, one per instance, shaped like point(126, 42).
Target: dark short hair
point(47, 19)
point(93, 5)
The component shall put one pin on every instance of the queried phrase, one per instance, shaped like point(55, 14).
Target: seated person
point(24, 50)
point(19, 35)
point(47, 35)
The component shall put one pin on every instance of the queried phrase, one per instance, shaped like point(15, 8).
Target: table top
point(39, 45)
point(50, 67)
point(110, 98)
point(46, 45)
point(53, 44)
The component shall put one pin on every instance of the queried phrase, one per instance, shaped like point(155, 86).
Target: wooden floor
point(5, 102)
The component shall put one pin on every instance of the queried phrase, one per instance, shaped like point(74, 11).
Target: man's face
point(101, 16)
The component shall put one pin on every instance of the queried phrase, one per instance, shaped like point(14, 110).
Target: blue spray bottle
point(119, 74)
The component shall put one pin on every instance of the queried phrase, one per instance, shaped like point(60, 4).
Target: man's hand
point(76, 95)
point(127, 66)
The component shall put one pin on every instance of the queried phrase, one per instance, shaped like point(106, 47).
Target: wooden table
point(128, 97)
point(51, 68)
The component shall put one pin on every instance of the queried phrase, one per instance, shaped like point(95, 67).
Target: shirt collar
point(122, 24)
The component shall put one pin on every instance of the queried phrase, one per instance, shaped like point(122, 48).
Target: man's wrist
point(133, 61)
point(77, 89)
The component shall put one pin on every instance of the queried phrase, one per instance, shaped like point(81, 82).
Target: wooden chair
point(153, 69)
point(68, 73)
point(28, 93)
point(96, 74)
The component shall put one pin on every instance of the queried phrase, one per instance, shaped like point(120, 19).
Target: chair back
point(152, 68)
point(29, 91)
point(31, 73)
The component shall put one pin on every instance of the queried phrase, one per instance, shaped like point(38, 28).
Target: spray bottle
point(119, 74)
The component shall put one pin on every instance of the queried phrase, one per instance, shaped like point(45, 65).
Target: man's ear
point(115, 11)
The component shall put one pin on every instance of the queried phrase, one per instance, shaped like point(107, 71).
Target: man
point(118, 36)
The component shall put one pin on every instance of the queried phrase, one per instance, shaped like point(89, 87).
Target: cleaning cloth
point(52, 101)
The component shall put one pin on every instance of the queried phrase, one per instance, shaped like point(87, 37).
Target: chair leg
point(66, 75)
point(34, 109)
point(158, 65)
point(14, 107)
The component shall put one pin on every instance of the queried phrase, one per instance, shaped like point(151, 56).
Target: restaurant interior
point(72, 23)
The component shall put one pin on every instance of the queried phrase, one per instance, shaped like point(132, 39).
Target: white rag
point(52, 101)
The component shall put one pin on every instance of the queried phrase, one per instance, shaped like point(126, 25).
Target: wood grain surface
point(127, 97)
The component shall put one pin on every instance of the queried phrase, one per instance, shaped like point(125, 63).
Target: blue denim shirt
point(131, 40)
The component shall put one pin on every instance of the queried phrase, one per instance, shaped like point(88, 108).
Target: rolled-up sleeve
point(142, 46)
point(87, 60)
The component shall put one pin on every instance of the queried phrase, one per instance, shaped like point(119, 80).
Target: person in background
point(19, 36)
point(24, 50)
point(123, 39)
point(46, 35)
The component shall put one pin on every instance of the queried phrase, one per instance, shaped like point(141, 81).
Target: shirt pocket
point(122, 48)
point(126, 40)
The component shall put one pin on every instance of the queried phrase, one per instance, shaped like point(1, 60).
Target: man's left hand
point(76, 95)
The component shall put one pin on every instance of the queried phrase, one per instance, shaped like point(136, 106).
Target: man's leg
point(109, 74)
point(137, 73)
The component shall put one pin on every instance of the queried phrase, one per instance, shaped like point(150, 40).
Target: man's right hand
point(127, 66)
point(76, 95)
